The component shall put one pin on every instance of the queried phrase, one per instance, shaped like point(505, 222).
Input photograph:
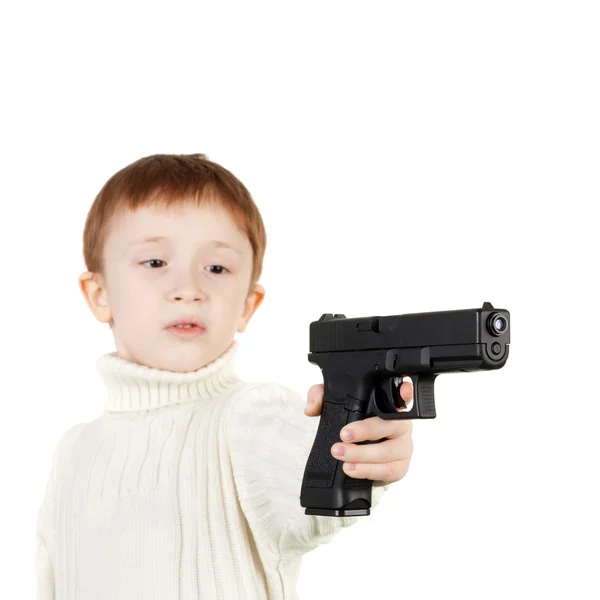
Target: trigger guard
point(385, 400)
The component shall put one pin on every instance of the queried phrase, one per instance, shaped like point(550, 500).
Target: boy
point(188, 485)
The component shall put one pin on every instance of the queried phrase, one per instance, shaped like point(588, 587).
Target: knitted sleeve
point(270, 439)
point(45, 529)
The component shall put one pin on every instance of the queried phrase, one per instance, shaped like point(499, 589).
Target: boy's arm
point(46, 519)
point(270, 439)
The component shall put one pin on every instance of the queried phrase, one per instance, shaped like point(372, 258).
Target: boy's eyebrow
point(154, 238)
point(159, 238)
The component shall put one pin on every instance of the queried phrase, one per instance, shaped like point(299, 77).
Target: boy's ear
point(94, 293)
point(253, 301)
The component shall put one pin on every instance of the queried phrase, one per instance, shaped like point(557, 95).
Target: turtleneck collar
point(135, 387)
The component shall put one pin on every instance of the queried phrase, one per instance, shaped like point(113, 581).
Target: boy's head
point(195, 205)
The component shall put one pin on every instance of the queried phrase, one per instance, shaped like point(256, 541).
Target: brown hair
point(167, 180)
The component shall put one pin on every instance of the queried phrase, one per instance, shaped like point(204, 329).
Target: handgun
point(362, 359)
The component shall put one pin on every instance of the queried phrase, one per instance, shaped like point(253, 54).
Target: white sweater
point(186, 487)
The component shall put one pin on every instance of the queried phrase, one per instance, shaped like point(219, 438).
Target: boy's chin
point(189, 357)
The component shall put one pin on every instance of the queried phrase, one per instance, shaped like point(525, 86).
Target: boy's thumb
point(312, 402)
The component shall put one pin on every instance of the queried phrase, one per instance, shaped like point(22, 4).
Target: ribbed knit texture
point(186, 487)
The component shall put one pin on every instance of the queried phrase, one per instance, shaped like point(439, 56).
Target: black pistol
point(362, 360)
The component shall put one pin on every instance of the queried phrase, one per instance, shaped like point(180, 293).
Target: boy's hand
point(386, 461)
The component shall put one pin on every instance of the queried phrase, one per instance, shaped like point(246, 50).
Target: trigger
point(392, 392)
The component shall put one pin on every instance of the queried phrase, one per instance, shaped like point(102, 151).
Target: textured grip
point(321, 465)
point(326, 489)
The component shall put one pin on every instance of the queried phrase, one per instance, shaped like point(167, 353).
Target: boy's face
point(147, 286)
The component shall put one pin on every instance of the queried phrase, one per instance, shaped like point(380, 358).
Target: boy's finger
point(406, 391)
point(315, 400)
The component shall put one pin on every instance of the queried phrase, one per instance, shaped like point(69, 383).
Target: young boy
point(187, 486)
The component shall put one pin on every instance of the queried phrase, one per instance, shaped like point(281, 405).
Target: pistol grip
point(326, 489)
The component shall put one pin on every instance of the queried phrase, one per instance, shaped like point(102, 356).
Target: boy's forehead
point(145, 218)
point(130, 226)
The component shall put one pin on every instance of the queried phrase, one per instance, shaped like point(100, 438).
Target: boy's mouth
point(186, 327)
point(185, 331)
point(185, 322)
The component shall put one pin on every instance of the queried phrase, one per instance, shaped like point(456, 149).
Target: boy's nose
point(187, 294)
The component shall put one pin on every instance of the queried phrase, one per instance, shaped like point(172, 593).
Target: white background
point(405, 157)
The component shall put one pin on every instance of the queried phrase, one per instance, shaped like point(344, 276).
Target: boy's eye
point(218, 267)
point(153, 260)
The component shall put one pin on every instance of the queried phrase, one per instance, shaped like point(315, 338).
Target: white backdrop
point(405, 157)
